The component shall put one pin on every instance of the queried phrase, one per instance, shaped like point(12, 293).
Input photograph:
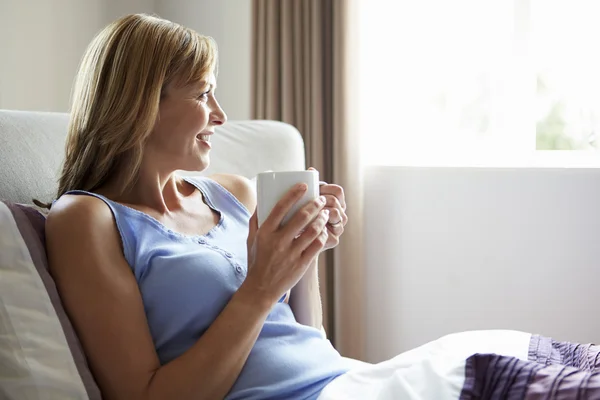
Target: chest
point(186, 283)
point(192, 222)
point(195, 218)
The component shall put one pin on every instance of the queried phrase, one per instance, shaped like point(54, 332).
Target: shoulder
point(81, 234)
point(77, 213)
point(241, 187)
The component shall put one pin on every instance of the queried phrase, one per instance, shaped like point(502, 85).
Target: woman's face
point(187, 117)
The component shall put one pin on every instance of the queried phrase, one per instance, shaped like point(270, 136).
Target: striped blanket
point(478, 365)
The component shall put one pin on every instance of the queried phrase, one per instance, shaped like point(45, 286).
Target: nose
point(218, 116)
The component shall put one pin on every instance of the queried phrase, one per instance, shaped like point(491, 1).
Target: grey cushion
point(41, 357)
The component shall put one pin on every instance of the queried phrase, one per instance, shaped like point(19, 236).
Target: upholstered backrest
point(32, 148)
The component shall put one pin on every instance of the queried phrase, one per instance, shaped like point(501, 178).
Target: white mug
point(272, 186)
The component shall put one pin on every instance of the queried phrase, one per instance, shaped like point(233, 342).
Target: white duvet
point(435, 370)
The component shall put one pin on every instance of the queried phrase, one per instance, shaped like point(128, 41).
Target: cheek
point(191, 121)
point(201, 116)
point(177, 125)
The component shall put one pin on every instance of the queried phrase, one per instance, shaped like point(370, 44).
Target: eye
point(204, 96)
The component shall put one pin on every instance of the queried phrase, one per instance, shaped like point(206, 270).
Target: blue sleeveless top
point(186, 281)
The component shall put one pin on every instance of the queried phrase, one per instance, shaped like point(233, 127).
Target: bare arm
point(305, 299)
point(101, 296)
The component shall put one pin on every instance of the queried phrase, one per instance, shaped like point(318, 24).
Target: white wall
point(229, 22)
point(42, 41)
point(449, 250)
point(41, 44)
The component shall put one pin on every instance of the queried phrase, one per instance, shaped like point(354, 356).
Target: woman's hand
point(278, 256)
point(336, 204)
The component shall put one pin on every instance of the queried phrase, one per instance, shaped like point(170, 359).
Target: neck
point(162, 191)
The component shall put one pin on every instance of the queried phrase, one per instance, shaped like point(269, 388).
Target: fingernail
point(302, 187)
point(326, 212)
point(322, 199)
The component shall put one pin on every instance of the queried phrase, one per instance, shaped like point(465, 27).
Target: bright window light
point(480, 83)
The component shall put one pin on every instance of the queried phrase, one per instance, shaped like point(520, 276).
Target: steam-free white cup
point(272, 186)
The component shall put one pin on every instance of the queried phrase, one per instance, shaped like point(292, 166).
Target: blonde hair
point(115, 99)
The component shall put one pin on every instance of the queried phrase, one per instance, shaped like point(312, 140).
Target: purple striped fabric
point(555, 370)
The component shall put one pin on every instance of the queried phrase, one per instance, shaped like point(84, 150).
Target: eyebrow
point(202, 84)
point(201, 87)
point(210, 85)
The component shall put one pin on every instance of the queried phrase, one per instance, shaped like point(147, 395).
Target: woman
point(174, 291)
point(153, 268)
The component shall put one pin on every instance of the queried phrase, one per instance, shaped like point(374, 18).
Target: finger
point(335, 216)
point(303, 217)
point(334, 190)
point(312, 231)
point(283, 206)
point(315, 247)
point(332, 240)
point(336, 220)
point(335, 230)
point(332, 202)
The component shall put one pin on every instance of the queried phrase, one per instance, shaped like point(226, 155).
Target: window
point(480, 82)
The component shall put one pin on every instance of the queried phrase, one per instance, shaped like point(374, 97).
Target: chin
point(196, 165)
